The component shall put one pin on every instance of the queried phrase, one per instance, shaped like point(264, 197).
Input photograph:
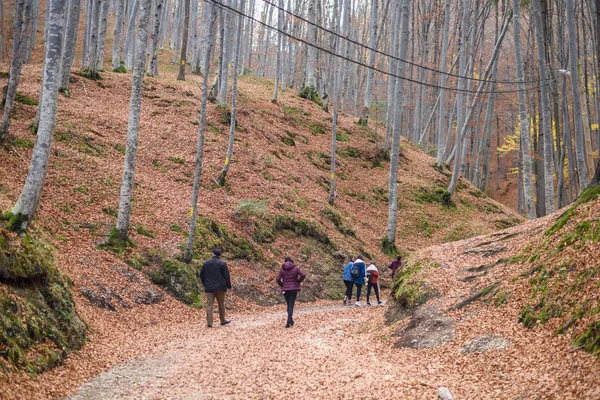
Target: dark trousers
point(376, 288)
point(290, 299)
point(358, 290)
point(349, 286)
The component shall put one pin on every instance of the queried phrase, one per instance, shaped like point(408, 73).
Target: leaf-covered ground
point(280, 158)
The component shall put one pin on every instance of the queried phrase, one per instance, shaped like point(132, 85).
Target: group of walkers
point(215, 277)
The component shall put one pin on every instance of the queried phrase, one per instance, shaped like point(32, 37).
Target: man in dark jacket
point(215, 278)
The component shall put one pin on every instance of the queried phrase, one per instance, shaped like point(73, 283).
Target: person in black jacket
point(215, 278)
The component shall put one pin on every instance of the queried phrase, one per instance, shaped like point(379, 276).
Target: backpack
point(354, 272)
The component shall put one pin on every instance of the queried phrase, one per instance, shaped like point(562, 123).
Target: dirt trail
point(332, 352)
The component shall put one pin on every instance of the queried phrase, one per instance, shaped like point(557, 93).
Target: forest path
point(333, 351)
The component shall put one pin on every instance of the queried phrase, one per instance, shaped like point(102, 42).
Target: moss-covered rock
point(38, 322)
point(181, 280)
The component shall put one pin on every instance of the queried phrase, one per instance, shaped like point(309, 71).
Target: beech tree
point(232, 120)
point(26, 206)
point(135, 105)
point(389, 242)
point(19, 47)
point(211, 16)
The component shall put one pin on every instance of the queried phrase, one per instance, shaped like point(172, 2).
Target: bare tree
point(19, 47)
point(232, 122)
point(211, 16)
point(118, 33)
point(523, 118)
point(26, 206)
point(153, 64)
point(135, 105)
point(582, 168)
point(546, 125)
point(443, 77)
point(390, 238)
point(184, 44)
point(364, 117)
point(70, 40)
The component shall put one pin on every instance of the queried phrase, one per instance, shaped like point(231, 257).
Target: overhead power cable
point(301, 40)
point(365, 46)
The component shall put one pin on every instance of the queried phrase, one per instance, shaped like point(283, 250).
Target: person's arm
point(202, 275)
point(301, 275)
point(225, 272)
point(279, 279)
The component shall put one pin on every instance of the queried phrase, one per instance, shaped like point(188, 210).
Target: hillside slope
point(528, 292)
point(274, 202)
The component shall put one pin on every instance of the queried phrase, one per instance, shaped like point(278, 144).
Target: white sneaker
point(357, 304)
point(345, 299)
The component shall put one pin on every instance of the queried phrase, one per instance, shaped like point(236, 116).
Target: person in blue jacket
point(360, 267)
point(348, 280)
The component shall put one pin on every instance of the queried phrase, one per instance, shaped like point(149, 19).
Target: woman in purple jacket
point(289, 279)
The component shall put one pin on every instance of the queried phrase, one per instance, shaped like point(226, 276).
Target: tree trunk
point(119, 19)
point(582, 168)
point(391, 81)
point(86, 32)
point(224, 73)
point(184, 40)
point(28, 201)
point(236, 59)
point(545, 108)
point(129, 48)
point(310, 83)
point(279, 51)
point(523, 118)
point(91, 67)
point(210, 21)
point(443, 77)
point(460, 96)
point(390, 238)
point(336, 98)
point(364, 117)
point(102, 34)
point(135, 106)
point(20, 39)
point(70, 41)
point(153, 64)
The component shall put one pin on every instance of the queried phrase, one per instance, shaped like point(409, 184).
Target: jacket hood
point(372, 267)
point(288, 266)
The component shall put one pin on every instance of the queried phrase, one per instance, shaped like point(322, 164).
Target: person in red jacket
point(373, 282)
point(290, 277)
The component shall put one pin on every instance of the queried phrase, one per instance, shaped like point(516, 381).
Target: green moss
point(24, 99)
point(352, 152)
point(334, 216)
point(175, 227)
point(310, 94)
point(300, 227)
point(88, 74)
point(249, 208)
point(121, 69)
point(23, 143)
point(590, 340)
point(340, 137)
point(409, 289)
point(142, 230)
point(316, 129)
point(177, 160)
point(13, 222)
point(81, 189)
point(110, 212)
point(181, 280)
point(211, 234)
point(36, 306)
point(115, 244)
point(435, 195)
point(389, 248)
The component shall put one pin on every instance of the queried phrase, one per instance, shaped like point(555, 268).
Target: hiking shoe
point(227, 321)
point(345, 299)
point(368, 303)
point(380, 303)
point(357, 304)
point(209, 326)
